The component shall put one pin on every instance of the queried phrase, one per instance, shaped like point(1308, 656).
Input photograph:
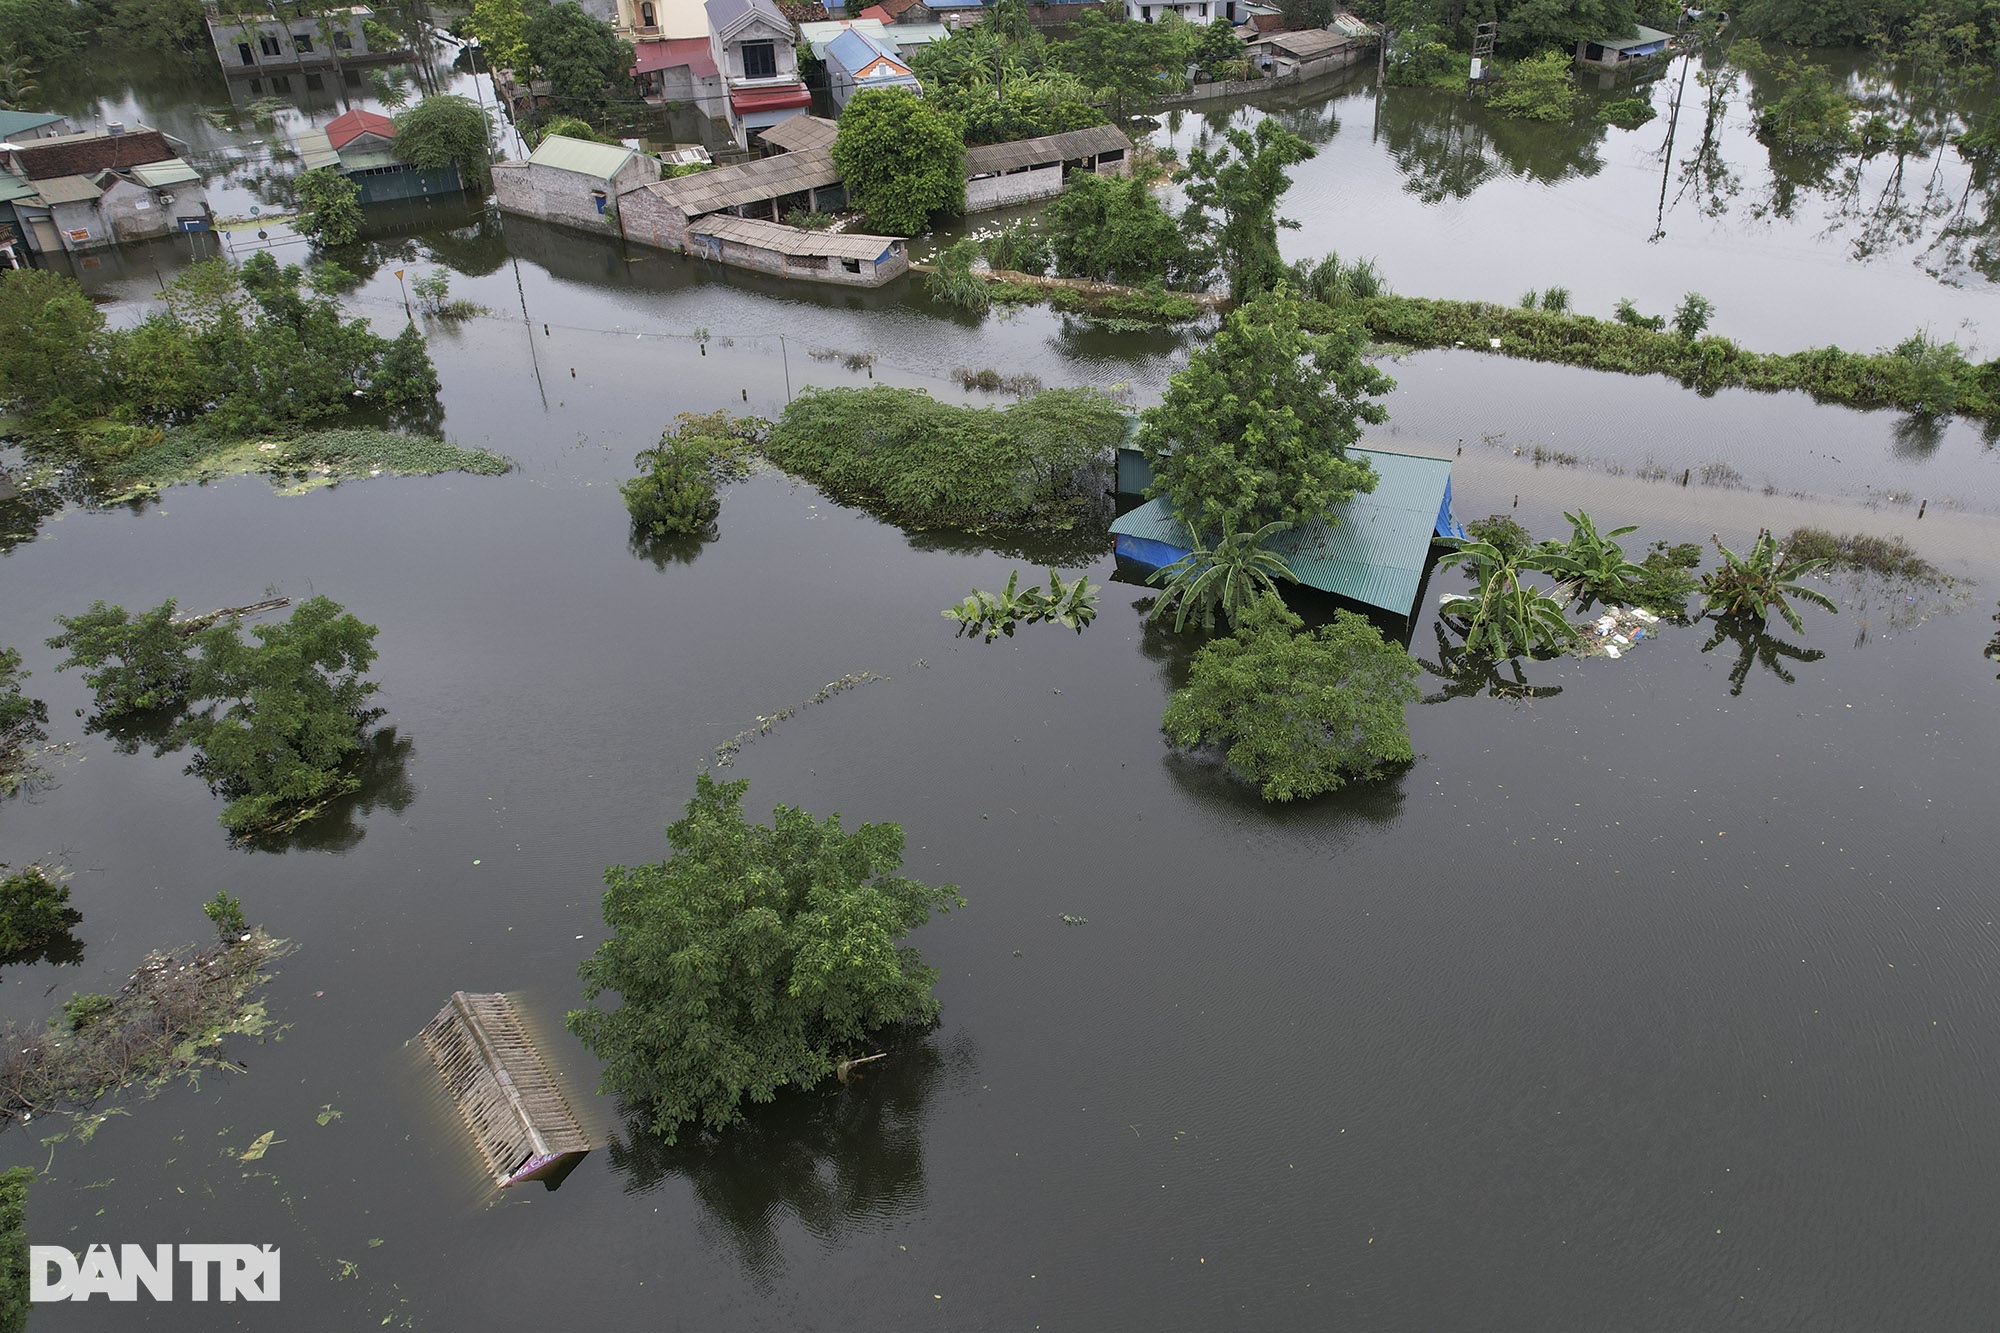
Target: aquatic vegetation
point(21, 720)
point(1691, 316)
point(990, 380)
point(725, 753)
point(14, 1270)
point(34, 911)
point(166, 1021)
point(1891, 557)
point(1628, 315)
point(301, 461)
point(1666, 579)
point(1506, 617)
point(1231, 577)
point(1541, 87)
point(1072, 604)
point(1763, 580)
point(1298, 713)
point(754, 958)
point(952, 280)
point(1627, 113)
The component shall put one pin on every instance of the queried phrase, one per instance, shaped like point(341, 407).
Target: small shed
point(363, 131)
point(512, 1105)
point(800, 133)
point(1375, 552)
point(1612, 52)
point(857, 63)
point(998, 174)
point(769, 187)
point(1281, 54)
point(573, 181)
point(851, 259)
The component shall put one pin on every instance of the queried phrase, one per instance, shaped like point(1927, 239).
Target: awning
point(747, 100)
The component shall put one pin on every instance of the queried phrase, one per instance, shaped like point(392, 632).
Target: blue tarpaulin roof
point(1374, 552)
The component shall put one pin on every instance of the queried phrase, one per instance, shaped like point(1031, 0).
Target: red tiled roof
point(345, 128)
point(897, 8)
point(694, 52)
point(879, 14)
point(84, 155)
point(769, 99)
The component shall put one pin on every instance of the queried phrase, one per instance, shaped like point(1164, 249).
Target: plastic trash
point(1610, 651)
point(1621, 640)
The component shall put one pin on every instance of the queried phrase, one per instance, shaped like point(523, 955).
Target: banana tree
point(1504, 616)
point(1231, 576)
point(1752, 586)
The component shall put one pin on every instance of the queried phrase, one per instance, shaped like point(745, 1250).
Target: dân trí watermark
point(214, 1272)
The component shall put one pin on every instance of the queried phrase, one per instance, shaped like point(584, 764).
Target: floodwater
point(1656, 1000)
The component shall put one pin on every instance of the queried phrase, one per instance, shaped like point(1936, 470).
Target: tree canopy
point(752, 959)
point(447, 130)
point(580, 55)
point(1232, 193)
point(902, 158)
point(1114, 229)
point(1298, 713)
point(330, 207)
point(1256, 429)
point(1121, 61)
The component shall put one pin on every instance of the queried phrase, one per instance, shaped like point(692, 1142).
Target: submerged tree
point(754, 958)
point(447, 131)
point(1232, 193)
point(1298, 713)
point(1763, 580)
point(21, 720)
point(902, 158)
point(1256, 429)
point(330, 207)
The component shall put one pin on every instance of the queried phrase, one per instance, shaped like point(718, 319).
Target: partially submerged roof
point(802, 132)
point(601, 160)
point(994, 158)
point(747, 182)
point(1374, 553)
point(67, 190)
point(348, 126)
point(315, 149)
point(159, 175)
point(1647, 37)
point(793, 240)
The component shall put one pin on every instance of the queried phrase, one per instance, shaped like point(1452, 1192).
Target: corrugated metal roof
point(1374, 553)
point(12, 187)
point(792, 240)
point(20, 122)
point(863, 57)
point(818, 34)
point(375, 161)
point(157, 175)
point(747, 182)
point(801, 132)
point(563, 153)
point(67, 190)
point(315, 150)
point(1305, 45)
point(993, 158)
point(1647, 37)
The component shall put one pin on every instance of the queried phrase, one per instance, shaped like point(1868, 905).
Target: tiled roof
point(345, 128)
point(93, 150)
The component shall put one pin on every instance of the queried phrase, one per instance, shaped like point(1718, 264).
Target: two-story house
point(1200, 12)
point(759, 65)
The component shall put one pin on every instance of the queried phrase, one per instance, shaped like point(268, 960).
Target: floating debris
point(1615, 632)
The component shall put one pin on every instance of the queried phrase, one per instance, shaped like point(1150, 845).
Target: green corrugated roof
point(1647, 36)
point(601, 160)
point(20, 122)
point(1374, 553)
point(12, 187)
point(315, 150)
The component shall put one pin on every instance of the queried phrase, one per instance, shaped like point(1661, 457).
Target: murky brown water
point(1645, 1004)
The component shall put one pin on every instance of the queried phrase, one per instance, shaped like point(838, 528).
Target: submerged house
point(309, 38)
point(26, 126)
point(362, 145)
point(1375, 552)
point(573, 181)
point(101, 187)
point(857, 63)
point(794, 252)
point(1304, 54)
point(999, 174)
point(1614, 52)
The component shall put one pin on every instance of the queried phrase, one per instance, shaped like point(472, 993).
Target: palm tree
point(1232, 576)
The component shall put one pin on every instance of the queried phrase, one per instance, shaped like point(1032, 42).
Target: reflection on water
point(383, 766)
point(837, 1160)
point(1756, 646)
point(1447, 146)
point(1469, 675)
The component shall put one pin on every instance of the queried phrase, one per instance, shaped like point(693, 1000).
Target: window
point(851, 265)
point(760, 60)
point(315, 83)
point(646, 15)
point(270, 46)
point(1201, 10)
point(1146, 13)
point(344, 42)
point(243, 49)
point(304, 41)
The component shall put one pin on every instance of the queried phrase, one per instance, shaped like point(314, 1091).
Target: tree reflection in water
point(1755, 646)
point(383, 765)
point(1447, 146)
point(1468, 675)
point(836, 1160)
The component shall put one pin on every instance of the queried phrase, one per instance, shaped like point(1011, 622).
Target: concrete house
point(759, 65)
point(857, 63)
point(672, 56)
point(1200, 12)
point(102, 187)
point(573, 181)
point(304, 39)
point(22, 126)
point(1304, 54)
point(1613, 52)
point(769, 188)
